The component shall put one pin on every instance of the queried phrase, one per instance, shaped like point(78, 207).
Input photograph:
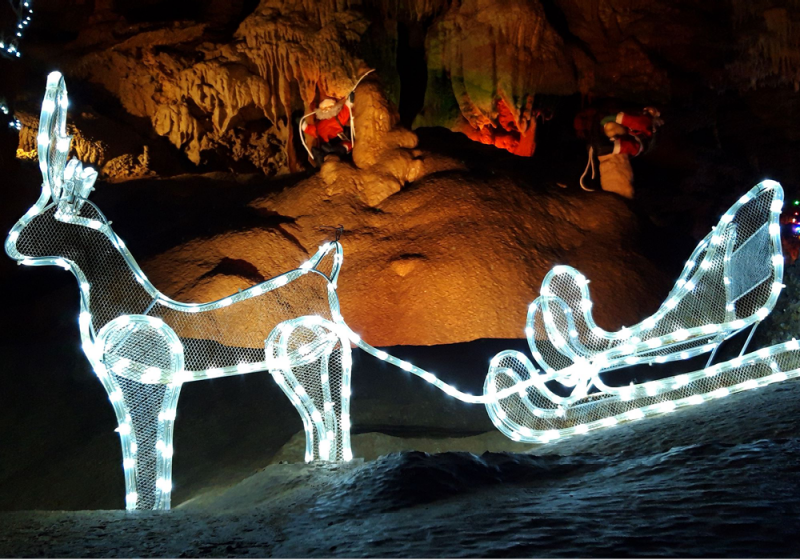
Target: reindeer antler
point(68, 183)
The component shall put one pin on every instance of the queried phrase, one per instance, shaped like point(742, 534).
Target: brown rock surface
point(434, 254)
point(480, 52)
point(448, 258)
point(116, 152)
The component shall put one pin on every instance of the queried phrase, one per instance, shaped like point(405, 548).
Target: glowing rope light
point(140, 358)
point(576, 357)
point(682, 328)
point(9, 45)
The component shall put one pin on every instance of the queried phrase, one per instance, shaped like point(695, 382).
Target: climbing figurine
point(331, 119)
point(332, 128)
point(613, 140)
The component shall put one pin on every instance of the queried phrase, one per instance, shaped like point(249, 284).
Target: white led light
point(310, 359)
point(131, 499)
point(681, 380)
point(164, 485)
point(635, 414)
point(151, 375)
point(680, 334)
point(668, 406)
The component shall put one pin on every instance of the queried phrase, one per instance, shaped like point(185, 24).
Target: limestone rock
point(233, 100)
point(485, 57)
point(116, 152)
point(230, 101)
point(449, 257)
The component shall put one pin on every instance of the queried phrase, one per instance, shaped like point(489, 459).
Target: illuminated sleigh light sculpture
point(143, 345)
point(731, 282)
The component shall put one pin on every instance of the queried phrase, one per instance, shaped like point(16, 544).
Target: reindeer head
point(65, 185)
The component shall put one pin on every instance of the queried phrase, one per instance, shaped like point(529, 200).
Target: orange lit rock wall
point(486, 61)
point(433, 254)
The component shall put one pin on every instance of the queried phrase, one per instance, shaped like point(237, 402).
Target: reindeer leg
point(146, 416)
point(335, 380)
point(130, 347)
point(311, 363)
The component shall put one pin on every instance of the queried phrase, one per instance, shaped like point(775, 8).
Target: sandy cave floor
point(722, 479)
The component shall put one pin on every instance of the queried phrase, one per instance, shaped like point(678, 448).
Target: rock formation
point(433, 254)
point(116, 153)
point(235, 100)
point(486, 61)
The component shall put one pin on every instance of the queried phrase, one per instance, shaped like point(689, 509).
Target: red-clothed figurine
point(328, 128)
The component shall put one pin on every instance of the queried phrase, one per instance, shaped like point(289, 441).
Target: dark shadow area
point(412, 69)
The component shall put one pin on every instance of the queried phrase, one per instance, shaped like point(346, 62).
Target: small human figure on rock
point(329, 126)
point(613, 140)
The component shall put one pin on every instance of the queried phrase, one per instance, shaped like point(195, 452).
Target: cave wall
point(230, 94)
point(226, 82)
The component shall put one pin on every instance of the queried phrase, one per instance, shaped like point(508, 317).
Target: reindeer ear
point(53, 142)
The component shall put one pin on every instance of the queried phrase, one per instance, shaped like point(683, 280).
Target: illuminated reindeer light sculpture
point(143, 345)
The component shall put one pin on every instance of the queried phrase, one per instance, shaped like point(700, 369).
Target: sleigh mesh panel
point(104, 267)
point(751, 261)
point(551, 356)
point(144, 403)
point(744, 281)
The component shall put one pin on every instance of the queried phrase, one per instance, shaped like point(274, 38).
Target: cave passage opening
point(412, 69)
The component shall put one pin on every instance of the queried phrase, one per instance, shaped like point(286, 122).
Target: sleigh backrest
point(731, 281)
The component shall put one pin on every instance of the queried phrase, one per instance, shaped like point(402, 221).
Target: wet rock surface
point(715, 480)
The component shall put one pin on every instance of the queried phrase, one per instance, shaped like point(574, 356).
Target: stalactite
point(769, 42)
